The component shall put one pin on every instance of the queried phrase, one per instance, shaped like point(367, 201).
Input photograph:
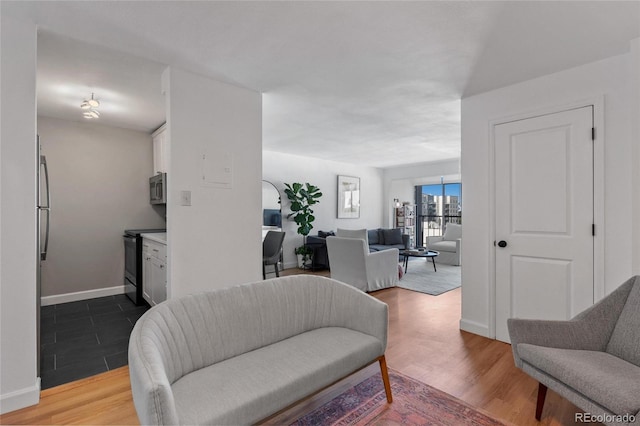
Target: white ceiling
point(374, 83)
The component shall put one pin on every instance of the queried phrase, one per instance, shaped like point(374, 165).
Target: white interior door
point(544, 217)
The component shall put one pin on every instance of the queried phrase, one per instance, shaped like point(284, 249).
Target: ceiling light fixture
point(92, 114)
point(89, 106)
point(90, 103)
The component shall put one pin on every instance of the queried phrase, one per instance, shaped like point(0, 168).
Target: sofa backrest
point(353, 233)
point(625, 339)
point(188, 333)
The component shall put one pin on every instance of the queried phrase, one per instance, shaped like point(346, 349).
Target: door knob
point(502, 244)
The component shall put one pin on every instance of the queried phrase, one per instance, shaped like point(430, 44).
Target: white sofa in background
point(238, 355)
point(448, 245)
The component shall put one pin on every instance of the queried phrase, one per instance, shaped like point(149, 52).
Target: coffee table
point(426, 254)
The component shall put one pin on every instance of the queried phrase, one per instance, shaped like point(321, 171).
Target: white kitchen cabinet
point(154, 278)
point(158, 281)
point(160, 150)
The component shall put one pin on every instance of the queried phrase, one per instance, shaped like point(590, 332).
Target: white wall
point(608, 77)
point(215, 242)
point(279, 168)
point(400, 182)
point(19, 385)
point(99, 185)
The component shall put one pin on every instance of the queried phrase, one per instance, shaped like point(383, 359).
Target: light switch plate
point(185, 198)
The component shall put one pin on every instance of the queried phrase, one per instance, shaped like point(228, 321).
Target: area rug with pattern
point(414, 403)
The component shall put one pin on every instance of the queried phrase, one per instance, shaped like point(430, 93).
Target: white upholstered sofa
point(448, 244)
point(240, 354)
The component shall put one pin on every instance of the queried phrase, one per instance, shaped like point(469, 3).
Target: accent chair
point(352, 264)
point(271, 248)
point(448, 245)
point(593, 359)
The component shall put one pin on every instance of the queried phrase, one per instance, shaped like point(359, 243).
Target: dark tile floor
point(80, 339)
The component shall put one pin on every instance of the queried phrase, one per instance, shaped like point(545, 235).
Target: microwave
point(158, 189)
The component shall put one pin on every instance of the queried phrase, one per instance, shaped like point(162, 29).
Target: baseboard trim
point(81, 295)
point(475, 328)
point(21, 398)
point(291, 265)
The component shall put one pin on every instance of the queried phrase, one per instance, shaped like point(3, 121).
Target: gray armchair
point(593, 360)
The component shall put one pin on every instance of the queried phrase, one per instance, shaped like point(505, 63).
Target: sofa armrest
point(431, 240)
point(355, 309)
point(150, 386)
point(316, 239)
point(382, 269)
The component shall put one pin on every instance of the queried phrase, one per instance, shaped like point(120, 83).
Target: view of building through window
point(437, 205)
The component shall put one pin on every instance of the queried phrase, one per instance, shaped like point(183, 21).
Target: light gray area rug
point(421, 277)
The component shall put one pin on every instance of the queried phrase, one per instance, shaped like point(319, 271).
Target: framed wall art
point(348, 197)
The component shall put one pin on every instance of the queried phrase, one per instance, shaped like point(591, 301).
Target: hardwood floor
point(424, 343)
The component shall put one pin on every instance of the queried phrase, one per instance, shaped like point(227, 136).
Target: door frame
point(597, 102)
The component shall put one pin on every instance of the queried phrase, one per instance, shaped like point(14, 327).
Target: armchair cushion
point(450, 252)
point(443, 246)
point(615, 384)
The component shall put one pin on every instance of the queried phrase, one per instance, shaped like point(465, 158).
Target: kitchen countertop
point(159, 237)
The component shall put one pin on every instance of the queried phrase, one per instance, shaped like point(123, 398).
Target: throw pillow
point(392, 236)
point(325, 234)
point(400, 272)
point(452, 232)
point(373, 236)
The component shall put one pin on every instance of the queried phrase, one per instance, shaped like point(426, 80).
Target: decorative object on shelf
point(348, 197)
point(302, 197)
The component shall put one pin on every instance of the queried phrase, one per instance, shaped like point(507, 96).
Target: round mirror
point(271, 212)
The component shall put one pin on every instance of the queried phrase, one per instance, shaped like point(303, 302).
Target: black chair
point(271, 247)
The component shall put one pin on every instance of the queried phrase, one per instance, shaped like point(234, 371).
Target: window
point(437, 205)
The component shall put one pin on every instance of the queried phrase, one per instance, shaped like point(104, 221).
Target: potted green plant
point(305, 255)
point(302, 197)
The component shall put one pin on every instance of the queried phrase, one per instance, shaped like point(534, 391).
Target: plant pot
point(303, 262)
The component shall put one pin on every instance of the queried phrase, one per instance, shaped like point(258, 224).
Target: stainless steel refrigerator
point(44, 218)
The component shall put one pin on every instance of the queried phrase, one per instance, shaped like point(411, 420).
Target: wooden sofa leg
point(542, 393)
point(385, 378)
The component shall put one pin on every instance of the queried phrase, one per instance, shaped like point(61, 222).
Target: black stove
point(133, 262)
